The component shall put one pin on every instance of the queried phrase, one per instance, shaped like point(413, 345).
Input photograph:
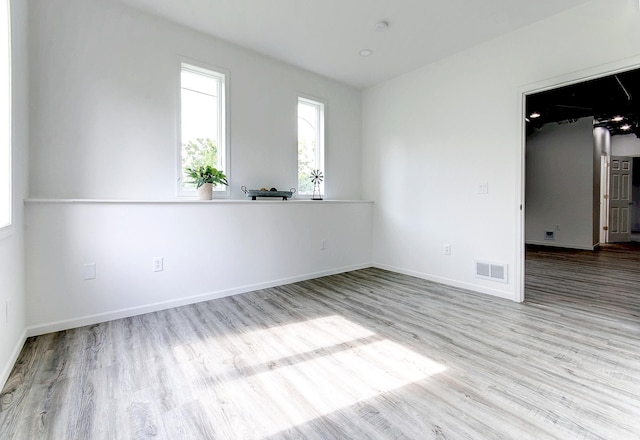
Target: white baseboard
point(551, 243)
point(41, 329)
point(6, 371)
point(449, 282)
point(56, 326)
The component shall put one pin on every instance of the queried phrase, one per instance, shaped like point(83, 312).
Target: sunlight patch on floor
point(291, 374)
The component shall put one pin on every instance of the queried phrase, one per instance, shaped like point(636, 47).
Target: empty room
point(315, 220)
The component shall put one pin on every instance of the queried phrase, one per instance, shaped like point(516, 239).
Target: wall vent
point(491, 271)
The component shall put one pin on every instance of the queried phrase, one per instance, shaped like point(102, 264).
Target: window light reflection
point(312, 368)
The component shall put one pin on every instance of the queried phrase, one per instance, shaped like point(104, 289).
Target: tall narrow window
point(310, 144)
point(5, 114)
point(203, 127)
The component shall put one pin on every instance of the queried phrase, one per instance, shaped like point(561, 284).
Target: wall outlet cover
point(89, 271)
point(158, 264)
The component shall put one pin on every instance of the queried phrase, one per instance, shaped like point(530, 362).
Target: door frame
point(605, 163)
point(555, 82)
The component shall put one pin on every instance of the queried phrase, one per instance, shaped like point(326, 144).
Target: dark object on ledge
point(254, 193)
point(316, 178)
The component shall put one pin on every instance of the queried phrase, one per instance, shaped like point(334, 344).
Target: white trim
point(562, 245)
point(6, 370)
point(519, 266)
point(529, 89)
point(322, 103)
point(66, 324)
point(472, 288)
point(605, 164)
point(225, 125)
point(6, 150)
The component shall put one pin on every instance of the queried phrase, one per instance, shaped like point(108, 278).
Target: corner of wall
point(13, 331)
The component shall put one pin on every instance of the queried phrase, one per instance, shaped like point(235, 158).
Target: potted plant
point(205, 177)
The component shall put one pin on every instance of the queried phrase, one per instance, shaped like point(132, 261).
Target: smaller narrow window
point(202, 122)
point(310, 144)
point(5, 115)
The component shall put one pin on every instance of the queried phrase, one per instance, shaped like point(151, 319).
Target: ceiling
point(607, 99)
point(326, 36)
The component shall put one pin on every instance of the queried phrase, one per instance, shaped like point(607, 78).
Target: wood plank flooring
point(364, 355)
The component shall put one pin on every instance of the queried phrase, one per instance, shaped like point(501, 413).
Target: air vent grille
point(483, 269)
point(491, 271)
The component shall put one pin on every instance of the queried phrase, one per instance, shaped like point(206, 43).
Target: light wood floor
point(363, 355)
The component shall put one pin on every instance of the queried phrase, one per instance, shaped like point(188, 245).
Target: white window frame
point(321, 150)
point(223, 110)
point(6, 199)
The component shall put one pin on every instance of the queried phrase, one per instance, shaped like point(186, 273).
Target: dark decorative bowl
point(255, 193)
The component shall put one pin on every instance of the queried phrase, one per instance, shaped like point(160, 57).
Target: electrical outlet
point(483, 188)
point(89, 271)
point(447, 249)
point(158, 264)
point(323, 245)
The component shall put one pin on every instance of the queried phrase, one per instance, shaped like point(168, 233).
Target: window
point(5, 115)
point(310, 144)
point(203, 131)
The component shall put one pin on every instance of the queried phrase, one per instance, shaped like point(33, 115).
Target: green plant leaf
point(206, 174)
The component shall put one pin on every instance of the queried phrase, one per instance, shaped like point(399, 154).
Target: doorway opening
point(574, 135)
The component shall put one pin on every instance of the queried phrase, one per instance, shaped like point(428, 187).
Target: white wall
point(104, 93)
point(210, 249)
point(628, 145)
point(102, 103)
point(559, 185)
point(431, 136)
point(12, 332)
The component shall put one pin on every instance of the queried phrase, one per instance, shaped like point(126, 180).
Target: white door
point(620, 199)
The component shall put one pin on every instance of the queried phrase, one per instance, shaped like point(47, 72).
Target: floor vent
point(491, 271)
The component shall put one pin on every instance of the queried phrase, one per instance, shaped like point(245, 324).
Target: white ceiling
point(326, 36)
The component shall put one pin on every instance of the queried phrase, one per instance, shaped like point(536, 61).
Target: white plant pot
point(205, 192)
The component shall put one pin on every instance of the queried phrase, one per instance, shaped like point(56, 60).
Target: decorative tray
point(254, 193)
